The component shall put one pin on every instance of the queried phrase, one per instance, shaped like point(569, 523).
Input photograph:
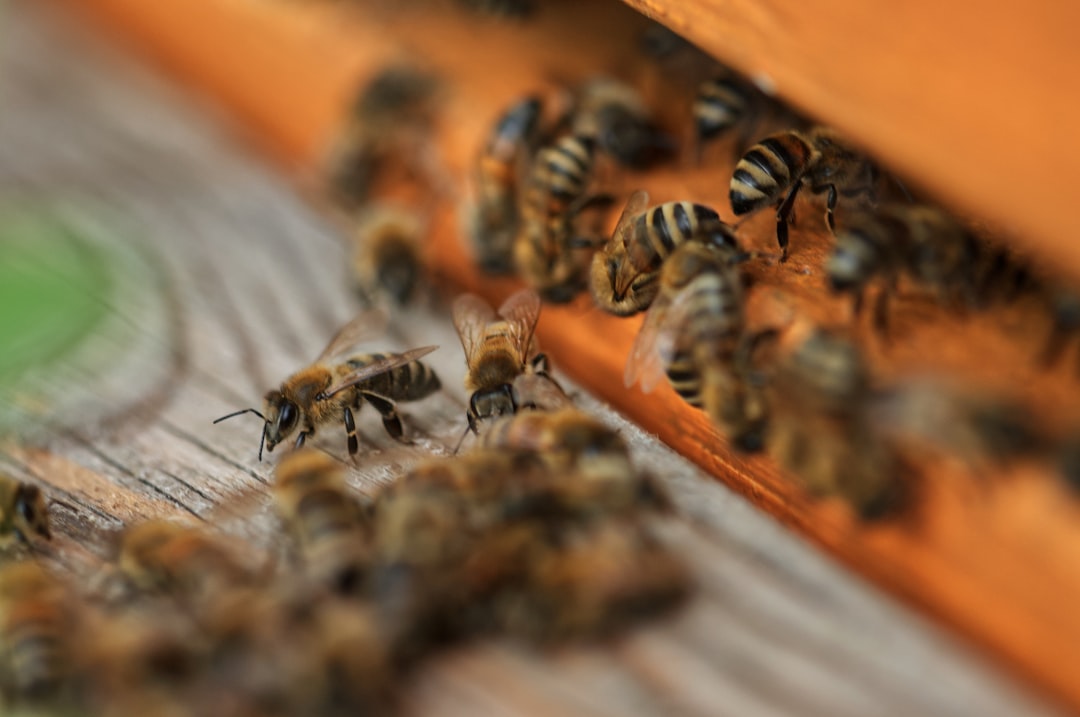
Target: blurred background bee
point(387, 253)
point(821, 430)
point(388, 129)
point(624, 274)
point(325, 518)
point(550, 253)
point(772, 172)
point(616, 117)
point(337, 384)
point(499, 172)
point(695, 332)
point(498, 349)
point(23, 512)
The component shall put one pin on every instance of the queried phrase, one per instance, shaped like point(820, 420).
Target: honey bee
point(548, 252)
point(386, 256)
point(591, 580)
point(614, 115)
point(625, 272)
point(23, 513)
point(773, 170)
point(336, 385)
point(38, 628)
point(821, 429)
point(183, 561)
point(498, 349)
point(498, 171)
point(328, 522)
point(695, 333)
point(386, 122)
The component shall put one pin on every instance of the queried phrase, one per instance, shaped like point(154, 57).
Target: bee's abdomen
point(409, 382)
point(37, 660)
point(670, 224)
point(767, 170)
point(719, 105)
point(685, 378)
point(567, 166)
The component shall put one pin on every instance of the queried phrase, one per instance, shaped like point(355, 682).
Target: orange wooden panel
point(996, 562)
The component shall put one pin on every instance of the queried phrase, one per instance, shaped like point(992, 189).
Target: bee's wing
point(366, 325)
point(634, 206)
point(392, 361)
point(656, 343)
point(471, 318)
point(521, 311)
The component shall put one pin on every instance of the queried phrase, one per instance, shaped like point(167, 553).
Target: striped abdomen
point(720, 104)
point(710, 333)
point(768, 170)
point(410, 382)
point(661, 229)
point(862, 248)
point(561, 173)
point(35, 638)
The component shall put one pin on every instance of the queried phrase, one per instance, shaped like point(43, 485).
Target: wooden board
point(995, 561)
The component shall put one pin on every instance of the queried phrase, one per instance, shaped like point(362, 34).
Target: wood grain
point(994, 561)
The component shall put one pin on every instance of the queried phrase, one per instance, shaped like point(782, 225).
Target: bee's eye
point(287, 417)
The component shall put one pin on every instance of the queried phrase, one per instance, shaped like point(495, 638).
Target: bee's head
point(31, 515)
point(282, 418)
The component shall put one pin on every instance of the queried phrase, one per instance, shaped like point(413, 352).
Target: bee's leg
point(783, 212)
point(350, 433)
point(830, 204)
point(388, 410)
point(540, 363)
point(300, 439)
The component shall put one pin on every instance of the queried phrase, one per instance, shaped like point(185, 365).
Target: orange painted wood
point(994, 559)
point(973, 102)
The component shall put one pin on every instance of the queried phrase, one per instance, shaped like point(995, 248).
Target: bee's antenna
point(240, 412)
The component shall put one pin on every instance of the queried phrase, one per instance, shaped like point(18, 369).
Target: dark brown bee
point(388, 120)
point(336, 385)
point(774, 170)
point(327, 521)
point(498, 175)
point(616, 117)
point(549, 253)
point(625, 272)
point(38, 630)
point(821, 430)
point(695, 333)
point(498, 350)
point(23, 513)
point(387, 253)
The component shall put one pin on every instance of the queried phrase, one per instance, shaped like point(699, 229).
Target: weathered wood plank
point(776, 628)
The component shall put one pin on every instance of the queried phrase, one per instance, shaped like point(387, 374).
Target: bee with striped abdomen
point(331, 528)
point(23, 513)
point(498, 174)
point(625, 272)
point(772, 172)
point(498, 349)
point(615, 116)
point(337, 384)
point(549, 253)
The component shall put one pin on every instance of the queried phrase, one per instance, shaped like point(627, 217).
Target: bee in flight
point(774, 170)
point(23, 513)
point(338, 383)
point(498, 350)
point(625, 272)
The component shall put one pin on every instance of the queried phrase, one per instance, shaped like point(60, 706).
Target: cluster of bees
point(803, 394)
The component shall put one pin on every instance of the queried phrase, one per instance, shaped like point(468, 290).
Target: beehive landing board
point(776, 628)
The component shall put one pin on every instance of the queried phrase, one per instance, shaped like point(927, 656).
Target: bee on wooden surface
point(498, 173)
point(615, 116)
point(387, 253)
point(498, 349)
point(774, 170)
point(695, 333)
point(549, 253)
point(23, 513)
point(625, 272)
point(337, 384)
point(327, 521)
point(591, 580)
point(820, 427)
point(184, 561)
point(387, 123)
point(38, 631)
